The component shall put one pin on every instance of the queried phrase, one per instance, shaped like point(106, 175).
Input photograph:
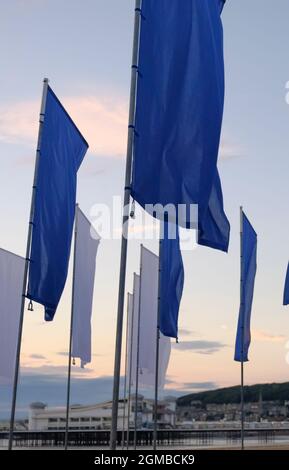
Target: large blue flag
point(171, 280)
point(61, 153)
point(248, 273)
point(286, 289)
point(179, 104)
point(214, 227)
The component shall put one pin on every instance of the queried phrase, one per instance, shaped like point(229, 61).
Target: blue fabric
point(61, 153)
point(248, 273)
point(286, 289)
point(171, 280)
point(214, 227)
point(221, 4)
point(179, 105)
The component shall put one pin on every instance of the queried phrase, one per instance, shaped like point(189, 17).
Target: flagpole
point(137, 356)
point(26, 267)
point(71, 333)
point(125, 373)
point(130, 373)
point(242, 405)
point(125, 220)
point(242, 330)
point(157, 347)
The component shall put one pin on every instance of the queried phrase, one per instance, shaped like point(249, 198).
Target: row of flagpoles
point(160, 281)
point(173, 142)
point(175, 119)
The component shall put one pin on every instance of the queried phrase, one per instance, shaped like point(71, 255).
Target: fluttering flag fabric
point(286, 288)
point(145, 300)
point(171, 280)
point(147, 376)
point(179, 106)
point(11, 286)
point(148, 324)
point(86, 245)
point(214, 227)
point(248, 273)
point(61, 153)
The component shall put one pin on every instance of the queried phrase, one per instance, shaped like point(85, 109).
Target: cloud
point(185, 332)
point(259, 335)
point(170, 381)
point(46, 370)
point(228, 150)
point(37, 356)
point(182, 388)
point(200, 346)
point(102, 121)
point(65, 353)
point(200, 386)
point(19, 122)
point(50, 388)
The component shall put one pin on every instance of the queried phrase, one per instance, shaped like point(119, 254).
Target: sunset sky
point(84, 48)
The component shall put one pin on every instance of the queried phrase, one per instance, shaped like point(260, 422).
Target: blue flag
point(214, 227)
point(179, 105)
point(61, 153)
point(286, 288)
point(221, 4)
point(171, 280)
point(248, 273)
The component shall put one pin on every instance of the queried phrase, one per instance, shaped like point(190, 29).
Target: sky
point(84, 48)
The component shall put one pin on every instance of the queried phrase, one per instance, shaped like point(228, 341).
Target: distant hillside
point(270, 392)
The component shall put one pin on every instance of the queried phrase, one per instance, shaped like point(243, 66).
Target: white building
point(166, 413)
point(99, 416)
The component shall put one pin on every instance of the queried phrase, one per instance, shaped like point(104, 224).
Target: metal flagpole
point(242, 405)
point(71, 333)
point(125, 220)
point(27, 260)
point(242, 330)
point(137, 356)
point(125, 373)
point(130, 373)
point(157, 347)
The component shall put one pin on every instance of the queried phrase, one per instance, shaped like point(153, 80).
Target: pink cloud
point(102, 121)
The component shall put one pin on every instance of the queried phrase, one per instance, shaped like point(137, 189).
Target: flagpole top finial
point(46, 80)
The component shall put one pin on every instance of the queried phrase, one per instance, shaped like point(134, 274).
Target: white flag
point(11, 285)
point(148, 323)
point(87, 241)
point(133, 330)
